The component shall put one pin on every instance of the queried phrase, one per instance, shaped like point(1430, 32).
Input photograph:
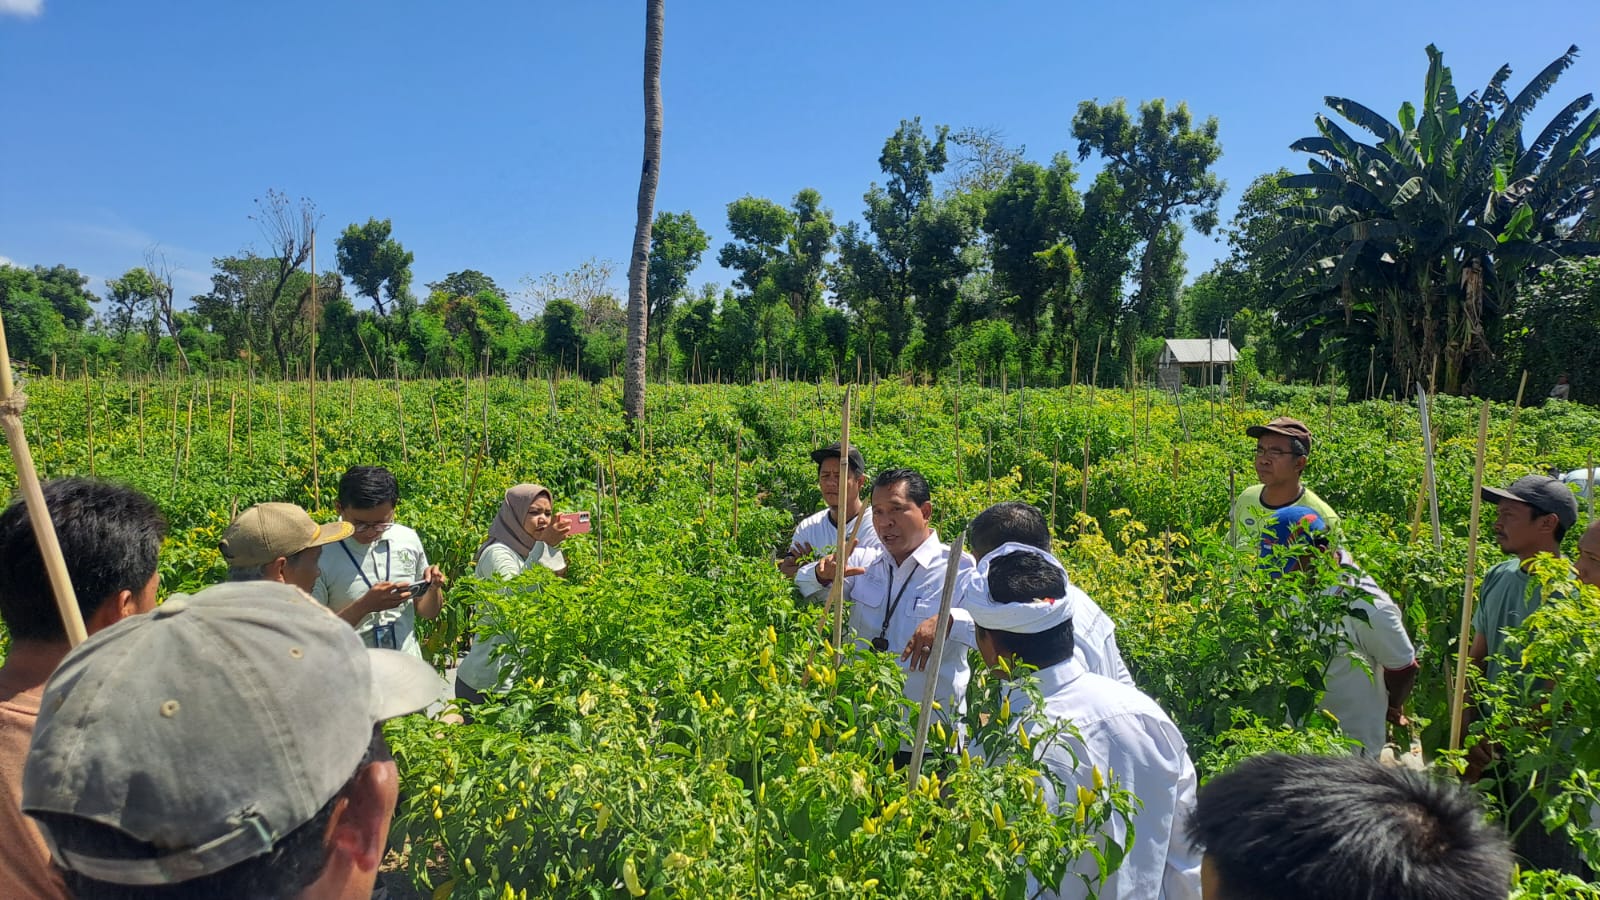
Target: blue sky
point(506, 137)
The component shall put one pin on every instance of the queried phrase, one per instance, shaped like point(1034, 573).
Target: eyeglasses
point(373, 527)
point(1273, 452)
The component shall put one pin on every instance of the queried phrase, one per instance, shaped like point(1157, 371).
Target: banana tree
point(1426, 231)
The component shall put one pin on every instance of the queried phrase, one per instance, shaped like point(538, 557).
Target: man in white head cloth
point(1094, 638)
point(1017, 599)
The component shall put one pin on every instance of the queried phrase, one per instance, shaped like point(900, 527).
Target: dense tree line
point(1432, 248)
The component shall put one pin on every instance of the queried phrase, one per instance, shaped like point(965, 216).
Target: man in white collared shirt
point(894, 588)
point(1018, 602)
point(820, 530)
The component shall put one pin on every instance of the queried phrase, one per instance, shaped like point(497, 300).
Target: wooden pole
point(1588, 486)
point(12, 404)
point(1083, 503)
point(1458, 695)
point(1055, 470)
point(1429, 476)
point(1505, 455)
point(836, 594)
point(316, 475)
point(738, 452)
point(930, 681)
point(599, 506)
point(957, 420)
point(400, 413)
point(88, 417)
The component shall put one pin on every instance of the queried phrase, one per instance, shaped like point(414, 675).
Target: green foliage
point(375, 262)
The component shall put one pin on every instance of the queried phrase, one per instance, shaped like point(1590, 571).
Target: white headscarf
point(1041, 614)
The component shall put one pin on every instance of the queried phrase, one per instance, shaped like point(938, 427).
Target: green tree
point(67, 290)
point(692, 330)
point(874, 276)
point(761, 230)
point(130, 300)
point(942, 229)
point(34, 327)
point(376, 264)
point(1423, 236)
point(800, 272)
point(1162, 164)
point(562, 324)
point(466, 283)
point(1034, 210)
point(676, 245)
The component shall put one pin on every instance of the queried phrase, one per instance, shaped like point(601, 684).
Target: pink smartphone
point(579, 522)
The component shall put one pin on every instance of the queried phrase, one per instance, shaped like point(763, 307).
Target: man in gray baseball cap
point(278, 542)
point(1532, 516)
point(197, 751)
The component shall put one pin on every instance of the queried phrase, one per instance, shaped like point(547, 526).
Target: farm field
point(677, 732)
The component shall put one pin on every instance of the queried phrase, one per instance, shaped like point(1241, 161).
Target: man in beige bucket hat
point(278, 542)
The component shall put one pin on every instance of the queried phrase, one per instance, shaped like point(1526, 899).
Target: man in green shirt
point(1531, 517)
point(1282, 450)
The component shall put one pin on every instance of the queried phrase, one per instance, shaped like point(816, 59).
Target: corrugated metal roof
point(1191, 351)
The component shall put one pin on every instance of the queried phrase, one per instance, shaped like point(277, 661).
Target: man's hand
point(383, 595)
point(920, 647)
point(1397, 716)
point(827, 569)
point(789, 564)
point(1478, 759)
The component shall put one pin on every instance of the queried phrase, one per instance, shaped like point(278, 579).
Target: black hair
point(1325, 827)
point(916, 486)
point(854, 460)
point(1298, 447)
point(365, 487)
point(1007, 522)
point(110, 536)
point(282, 873)
point(1023, 578)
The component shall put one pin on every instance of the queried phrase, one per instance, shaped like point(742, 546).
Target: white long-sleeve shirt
point(820, 532)
point(1133, 742)
point(918, 582)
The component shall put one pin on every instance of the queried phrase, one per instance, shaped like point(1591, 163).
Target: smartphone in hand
point(416, 589)
point(578, 522)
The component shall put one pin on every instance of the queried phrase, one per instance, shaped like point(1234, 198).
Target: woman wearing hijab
point(524, 533)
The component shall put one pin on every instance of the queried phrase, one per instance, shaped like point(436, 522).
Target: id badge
point(383, 637)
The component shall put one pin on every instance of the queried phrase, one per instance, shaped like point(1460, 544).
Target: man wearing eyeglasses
point(378, 579)
point(1282, 449)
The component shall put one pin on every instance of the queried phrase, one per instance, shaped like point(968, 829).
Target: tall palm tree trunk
point(633, 382)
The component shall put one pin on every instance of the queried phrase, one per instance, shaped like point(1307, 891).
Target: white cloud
point(7, 261)
point(23, 9)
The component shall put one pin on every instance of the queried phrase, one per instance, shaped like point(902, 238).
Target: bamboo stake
point(1074, 386)
point(1588, 486)
point(738, 451)
point(12, 403)
point(88, 412)
point(400, 414)
point(836, 595)
point(599, 506)
point(188, 434)
point(1458, 695)
point(1055, 470)
point(957, 419)
point(141, 420)
point(1505, 455)
point(249, 412)
point(232, 410)
point(1430, 477)
point(311, 426)
point(1083, 503)
point(283, 448)
point(930, 681)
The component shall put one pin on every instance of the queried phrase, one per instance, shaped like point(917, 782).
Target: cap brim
point(330, 532)
point(402, 684)
point(1495, 495)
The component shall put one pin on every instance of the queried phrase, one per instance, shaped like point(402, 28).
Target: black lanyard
point(881, 642)
point(388, 563)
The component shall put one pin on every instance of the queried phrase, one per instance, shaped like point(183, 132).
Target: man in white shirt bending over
point(895, 587)
point(1017, 599)
point(1094, 634)
point(820, 530)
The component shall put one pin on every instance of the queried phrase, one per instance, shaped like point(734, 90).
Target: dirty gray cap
point(211, 727)
point(1550, 496)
